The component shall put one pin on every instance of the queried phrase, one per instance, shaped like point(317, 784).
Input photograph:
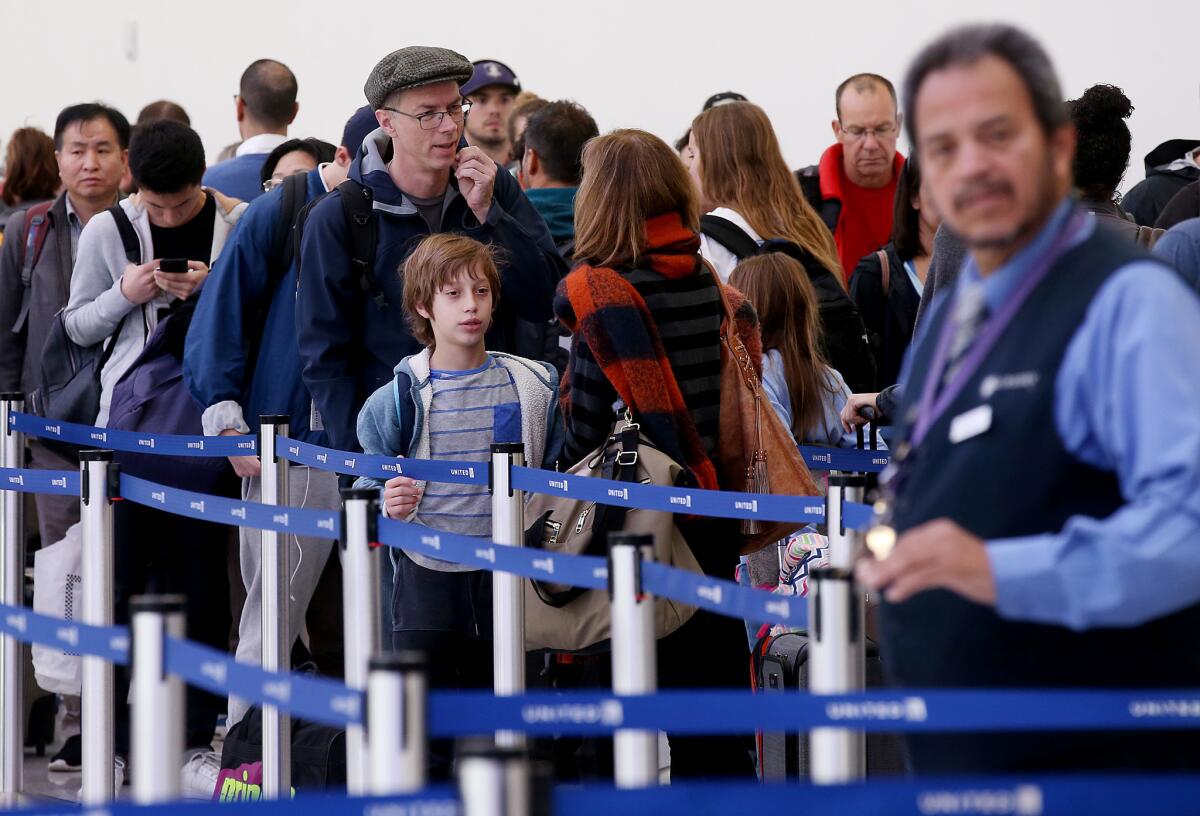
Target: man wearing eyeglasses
point(419, 178)
point(854, 184)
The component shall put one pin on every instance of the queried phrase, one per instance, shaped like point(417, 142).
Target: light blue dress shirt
point(1127, 400)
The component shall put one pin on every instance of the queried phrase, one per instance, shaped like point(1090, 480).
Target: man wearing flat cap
point(415, 176)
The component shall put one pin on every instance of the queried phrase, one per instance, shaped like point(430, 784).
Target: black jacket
point(1183, 205)
point(890, 316)
point(1146, 201)
point(830, 209)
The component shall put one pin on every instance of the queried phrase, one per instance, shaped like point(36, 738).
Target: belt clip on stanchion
point(634, 659)
point(12, 593)
point(835, 607)
point(360, 614)
point(98, 489)
point(508, 590)
point(496, 780)
point(397, 703)
point(275, 575)
point(157, 716)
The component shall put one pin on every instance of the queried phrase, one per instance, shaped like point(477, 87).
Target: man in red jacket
point(853, 185)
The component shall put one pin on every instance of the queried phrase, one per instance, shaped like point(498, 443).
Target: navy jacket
point(349, 342)
point(239, 177)
point(218, 365)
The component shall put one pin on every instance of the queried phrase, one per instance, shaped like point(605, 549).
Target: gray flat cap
point(412, 67)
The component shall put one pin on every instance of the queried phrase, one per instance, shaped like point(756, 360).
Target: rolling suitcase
point(781, 663)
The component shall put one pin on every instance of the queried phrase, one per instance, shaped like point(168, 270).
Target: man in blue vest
point(1047, 500)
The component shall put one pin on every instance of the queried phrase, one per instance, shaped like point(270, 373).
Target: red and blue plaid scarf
point(615, 322)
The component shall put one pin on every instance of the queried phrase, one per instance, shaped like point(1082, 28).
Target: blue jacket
point(239, 177)
point(349, 343)
point(217, 365)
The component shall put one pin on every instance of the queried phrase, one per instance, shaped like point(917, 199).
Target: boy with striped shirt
point(452, 401)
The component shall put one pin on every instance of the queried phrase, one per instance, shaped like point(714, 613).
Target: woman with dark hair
point(886, 285)
point(30, 170)
point(294, 156)
point(1102, 148)
point(645, 315)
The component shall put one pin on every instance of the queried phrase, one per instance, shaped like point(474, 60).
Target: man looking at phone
point(181, 228)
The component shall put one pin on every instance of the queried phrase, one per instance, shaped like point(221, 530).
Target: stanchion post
point(837, 755)
point(157, 715)
point(634, 658)
point(508, 591)
point(98, 488)
point(276, 599)
point(360, 615)
point(396, 723)
point(12, 576)
point(494, 780)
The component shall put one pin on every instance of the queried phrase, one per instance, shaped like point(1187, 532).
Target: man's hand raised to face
point(476, 175)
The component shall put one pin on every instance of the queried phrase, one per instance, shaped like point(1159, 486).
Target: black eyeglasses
point(433, 119)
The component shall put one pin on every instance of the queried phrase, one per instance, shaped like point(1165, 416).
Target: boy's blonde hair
point(437, 261)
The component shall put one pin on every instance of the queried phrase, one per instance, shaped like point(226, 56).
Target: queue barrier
point(585, 713)
point(1145, 795)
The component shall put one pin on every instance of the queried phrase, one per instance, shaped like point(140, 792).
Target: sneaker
point(70, 757)
point(201, 767)
point(119, 779)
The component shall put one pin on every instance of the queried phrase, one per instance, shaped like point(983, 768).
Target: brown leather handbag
point(757, 453)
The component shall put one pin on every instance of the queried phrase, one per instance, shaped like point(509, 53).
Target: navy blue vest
point(1017, 479)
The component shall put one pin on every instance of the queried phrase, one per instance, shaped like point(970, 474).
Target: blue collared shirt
point(1127, 400)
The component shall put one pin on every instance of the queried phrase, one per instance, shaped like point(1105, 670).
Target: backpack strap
point(357, 201)
point(406, 412)
point(34, 240)
point(294, 193)
point(885, 270)
point(129, 236)
point(729, 235)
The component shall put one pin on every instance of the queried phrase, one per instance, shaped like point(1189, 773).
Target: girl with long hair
point(806, 393)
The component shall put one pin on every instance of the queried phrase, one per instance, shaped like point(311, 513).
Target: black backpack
point(536, 341)
point(844, 338)
point(68, 386)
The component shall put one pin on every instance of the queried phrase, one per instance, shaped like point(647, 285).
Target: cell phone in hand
point(173, 265)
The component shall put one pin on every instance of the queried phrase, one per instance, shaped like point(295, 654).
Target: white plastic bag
point(58, 592)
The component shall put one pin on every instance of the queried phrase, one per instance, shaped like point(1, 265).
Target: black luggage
point(318, 751)
point(781, 663)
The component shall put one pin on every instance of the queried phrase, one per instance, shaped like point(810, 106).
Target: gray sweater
point(98, 310)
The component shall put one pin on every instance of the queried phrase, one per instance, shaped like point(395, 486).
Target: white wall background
point(632, 64)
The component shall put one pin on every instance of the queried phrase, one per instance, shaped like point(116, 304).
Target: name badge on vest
point(970, 424)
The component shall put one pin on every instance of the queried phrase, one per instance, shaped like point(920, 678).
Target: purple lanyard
point(930, 410)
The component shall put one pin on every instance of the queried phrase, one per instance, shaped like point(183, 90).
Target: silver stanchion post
point(837, 754)
point(494, 780)
point(276, 598)
point(157, 716)
point(12, 576)
point(98, 488)
point(396, 723)
point(508, 591)
point(634, 655)
point(360, 615)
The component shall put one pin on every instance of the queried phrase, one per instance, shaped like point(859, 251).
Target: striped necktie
point(970, 313)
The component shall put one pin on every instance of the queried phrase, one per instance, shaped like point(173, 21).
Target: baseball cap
point(491, 72)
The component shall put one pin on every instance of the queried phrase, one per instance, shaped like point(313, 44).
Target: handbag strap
point(620, 467)
point(745, 365)
point(885, 269)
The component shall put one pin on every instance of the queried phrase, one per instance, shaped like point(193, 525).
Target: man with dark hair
point(551, 165)
point(92, 146)
point(119, 302)
point(854, 184)
point(248, 302)
point(265, 105)
point(1047, 488)
point(492, 89)
point(163, 109)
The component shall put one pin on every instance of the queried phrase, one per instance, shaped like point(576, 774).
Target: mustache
point(980, 188)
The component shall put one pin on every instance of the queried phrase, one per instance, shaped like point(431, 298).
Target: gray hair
point(969, 44)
